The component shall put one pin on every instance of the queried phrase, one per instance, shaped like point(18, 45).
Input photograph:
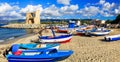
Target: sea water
point(6, 34)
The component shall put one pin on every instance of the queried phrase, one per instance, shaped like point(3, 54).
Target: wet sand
point(86, 49)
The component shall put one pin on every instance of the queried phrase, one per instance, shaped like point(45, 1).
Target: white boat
point(56, 39)
point(112, 38)
point(100, 33)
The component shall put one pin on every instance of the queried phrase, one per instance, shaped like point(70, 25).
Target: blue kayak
point(46, 55)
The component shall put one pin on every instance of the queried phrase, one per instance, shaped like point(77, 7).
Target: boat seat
point(50, 51)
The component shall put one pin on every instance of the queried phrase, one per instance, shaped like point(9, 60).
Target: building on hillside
point(33, 17)
point(97, 22)
point(78, 23)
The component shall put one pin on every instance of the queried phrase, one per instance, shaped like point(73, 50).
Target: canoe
point(112, 38)
point(56, 39)
point(46, 55)
point(99, 33)
point(38, 46)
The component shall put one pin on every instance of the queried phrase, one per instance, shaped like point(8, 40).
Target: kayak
point(45, 55)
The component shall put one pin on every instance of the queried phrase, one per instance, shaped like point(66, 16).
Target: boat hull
point(30, 60)
point(99, 33)
point(49, 55)
point(62, 31)
point(38, 60)
point(80, 32)
point(112, 38)
point(61, 39)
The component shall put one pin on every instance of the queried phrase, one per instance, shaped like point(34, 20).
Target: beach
point(86, 49)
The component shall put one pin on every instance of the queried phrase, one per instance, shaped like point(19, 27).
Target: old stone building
point(33, 17)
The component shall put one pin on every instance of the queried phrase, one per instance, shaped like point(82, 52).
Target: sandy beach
point(86, 49)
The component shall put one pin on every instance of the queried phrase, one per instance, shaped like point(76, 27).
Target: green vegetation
point(109, 21)
point(64, 21)
point(117, 20)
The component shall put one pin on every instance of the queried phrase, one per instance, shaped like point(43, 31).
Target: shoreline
point(9, 41)
point(86, 49)
point(21, 39)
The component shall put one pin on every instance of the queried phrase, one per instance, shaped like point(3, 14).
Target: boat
point(80, 32)
point(112, 38)
point(38, 46)
point(62, 30)
point(83, 29)
point(55, 39)
point(46, 55)
point(100, 33)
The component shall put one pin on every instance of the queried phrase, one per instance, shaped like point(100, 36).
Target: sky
point(60, 9)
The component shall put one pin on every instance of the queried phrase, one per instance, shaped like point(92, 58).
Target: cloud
point(4, 7)
point(106, 13)
point(101, 1)
point(65, 2)
point(89, 11)
point(108, 6)
point(51, 11)
point(8, 12)
point(16, 14)
point(31, 8)
point(69, 9)
point(103, 8)
point(108, 9)
point(117, 10)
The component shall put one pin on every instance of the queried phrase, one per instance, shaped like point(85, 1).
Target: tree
point(117, 20)
point(108, 21)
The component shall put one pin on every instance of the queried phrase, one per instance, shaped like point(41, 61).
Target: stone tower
point(33, 17)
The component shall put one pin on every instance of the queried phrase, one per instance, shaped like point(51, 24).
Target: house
point(97, 22)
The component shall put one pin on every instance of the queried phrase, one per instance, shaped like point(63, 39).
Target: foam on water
point(11, 38)
point(1, 40)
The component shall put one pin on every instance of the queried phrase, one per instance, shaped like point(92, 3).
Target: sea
point(8, 34)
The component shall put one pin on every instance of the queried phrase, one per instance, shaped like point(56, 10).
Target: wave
point(7, 34)
point(11, 38)
point(2, 40)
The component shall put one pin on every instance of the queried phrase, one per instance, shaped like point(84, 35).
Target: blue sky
point(65, 9)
